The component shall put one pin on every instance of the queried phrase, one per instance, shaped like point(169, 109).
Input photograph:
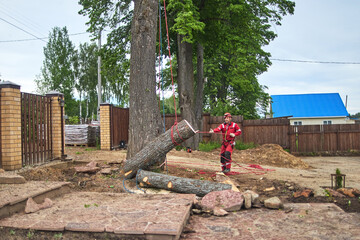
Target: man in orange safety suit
point(229, 131)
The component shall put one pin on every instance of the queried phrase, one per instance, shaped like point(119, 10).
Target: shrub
point(338, 179)
point(73, 120)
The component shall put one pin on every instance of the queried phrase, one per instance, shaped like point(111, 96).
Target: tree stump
point(157, 148)
point(179, 184)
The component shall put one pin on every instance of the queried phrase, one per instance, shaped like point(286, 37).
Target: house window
point(298, 123)
point(327, 122)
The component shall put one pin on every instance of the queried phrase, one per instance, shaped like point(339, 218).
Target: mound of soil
point(271, 155)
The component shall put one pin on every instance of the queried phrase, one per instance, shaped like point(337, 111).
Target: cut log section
point(158, 148)
point(179, 184)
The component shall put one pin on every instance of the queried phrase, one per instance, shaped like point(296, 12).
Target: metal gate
point(36, 129)
point(119, 126)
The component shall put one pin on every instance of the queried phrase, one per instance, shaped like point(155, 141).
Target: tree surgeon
point(229, 131)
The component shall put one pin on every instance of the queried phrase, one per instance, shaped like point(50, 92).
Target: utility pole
point(99, 78)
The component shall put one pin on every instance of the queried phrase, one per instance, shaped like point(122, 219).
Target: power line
point(27, 26)
point(23, 19)
point(35, 39)
point(22, 29)
point(308, 61)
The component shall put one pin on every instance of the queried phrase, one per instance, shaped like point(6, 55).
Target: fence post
point(57, 129)
point(105, 126)
point(10, 126)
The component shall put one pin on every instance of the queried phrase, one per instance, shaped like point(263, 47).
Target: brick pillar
point(105, 135)
point(58, 132)
point(10, 104)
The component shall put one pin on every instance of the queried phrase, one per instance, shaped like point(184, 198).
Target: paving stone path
point(127, 214)
point(304, 221)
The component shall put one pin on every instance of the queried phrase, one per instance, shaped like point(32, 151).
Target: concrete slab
point(149, 216)
point(297, 221)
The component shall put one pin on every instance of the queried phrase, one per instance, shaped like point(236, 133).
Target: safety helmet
point(227, 115)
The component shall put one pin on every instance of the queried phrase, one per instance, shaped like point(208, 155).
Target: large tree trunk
point(199, 90)
point(179, 184)
point(145, 120)
point(157, 148)
point(186, 87)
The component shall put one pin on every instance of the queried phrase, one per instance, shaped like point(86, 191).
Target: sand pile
point(271, 155)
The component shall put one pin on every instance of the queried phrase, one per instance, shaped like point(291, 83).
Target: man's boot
point(226, 170)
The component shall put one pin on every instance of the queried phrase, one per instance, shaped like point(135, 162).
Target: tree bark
point(158, 148)
point(186, 86)
point(179, 184)
point(145, 121)
point(199, 90)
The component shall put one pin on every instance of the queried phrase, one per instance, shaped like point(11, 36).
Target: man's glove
point(211, 131)
point(232, 134)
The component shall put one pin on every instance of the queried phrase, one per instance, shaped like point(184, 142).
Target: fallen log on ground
point(157, 148)
point(178, 184)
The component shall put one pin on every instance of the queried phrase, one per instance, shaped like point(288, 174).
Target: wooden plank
point(41, 149)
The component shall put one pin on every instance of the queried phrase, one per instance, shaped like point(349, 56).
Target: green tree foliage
point(356, 115)
point(235, 34)
point(57, 72)
point(168, 105)
point(232, 34)
point(87, 78)
point(115, 68)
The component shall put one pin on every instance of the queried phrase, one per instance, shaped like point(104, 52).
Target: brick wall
point(105, 135)
point(11, 126)
point(10, 105)
point(58, 132)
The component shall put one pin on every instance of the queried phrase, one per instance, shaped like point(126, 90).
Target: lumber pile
point(81, 134)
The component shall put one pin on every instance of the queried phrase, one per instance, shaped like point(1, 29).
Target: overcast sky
point(319, 31)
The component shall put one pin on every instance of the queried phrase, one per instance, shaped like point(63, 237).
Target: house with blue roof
point(310, 109)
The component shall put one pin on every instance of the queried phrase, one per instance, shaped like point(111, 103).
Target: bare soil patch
point(295, 172)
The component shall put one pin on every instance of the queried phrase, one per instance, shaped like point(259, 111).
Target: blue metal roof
point(308, 105)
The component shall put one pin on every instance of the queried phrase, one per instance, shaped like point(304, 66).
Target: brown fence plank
point(36, 128)
point(263, 131)
point(119, 125)
point(326, 138)
point(305, 138)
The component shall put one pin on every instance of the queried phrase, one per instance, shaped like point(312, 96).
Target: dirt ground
point(268, 170)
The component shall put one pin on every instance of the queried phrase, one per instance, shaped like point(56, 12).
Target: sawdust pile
point(271, 155)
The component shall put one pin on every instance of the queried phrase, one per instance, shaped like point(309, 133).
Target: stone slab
point(151, 216)
point(15, 193)
point(296, 221)
point(14, 196)
point(11, 178)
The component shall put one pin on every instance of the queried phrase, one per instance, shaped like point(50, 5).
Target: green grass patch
point(242, 146)
point(209, 146)
point(90, 149)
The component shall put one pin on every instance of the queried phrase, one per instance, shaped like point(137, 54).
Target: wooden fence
point(263, 131)
point(36, 128)
point(325, 138)
point(299, 139)
point(119, 126)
